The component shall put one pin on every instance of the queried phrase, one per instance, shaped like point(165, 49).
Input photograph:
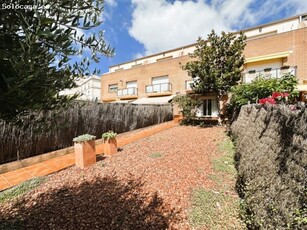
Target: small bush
point(262, 88)
point(84, 137)
point(109, 135)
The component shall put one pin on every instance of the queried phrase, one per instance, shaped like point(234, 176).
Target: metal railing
point(127, 92)
point(158, 88)
point(268, 73)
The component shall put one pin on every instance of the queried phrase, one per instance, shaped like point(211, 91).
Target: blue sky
point(137, 28)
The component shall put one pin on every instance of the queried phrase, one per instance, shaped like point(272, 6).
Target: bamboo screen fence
point(18, 143)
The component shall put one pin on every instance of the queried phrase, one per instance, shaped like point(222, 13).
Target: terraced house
point(271, 50)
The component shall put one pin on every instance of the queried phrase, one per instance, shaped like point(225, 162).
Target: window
point(131, 87)
point(131, 84)
point(160, 84)
point(113, 88)
point(208, 108)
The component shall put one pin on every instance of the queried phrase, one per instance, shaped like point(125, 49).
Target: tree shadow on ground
point(103, 203)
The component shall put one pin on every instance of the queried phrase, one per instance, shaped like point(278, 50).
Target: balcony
point(268, 73)
point(162, 89)
point(127, 93)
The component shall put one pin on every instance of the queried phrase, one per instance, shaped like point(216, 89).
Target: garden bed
point(148, 185)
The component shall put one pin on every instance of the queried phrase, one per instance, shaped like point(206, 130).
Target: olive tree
point(38, 42)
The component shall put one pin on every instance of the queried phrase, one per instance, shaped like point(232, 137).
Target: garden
point(180, 178)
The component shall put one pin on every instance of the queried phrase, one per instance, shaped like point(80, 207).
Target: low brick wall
point(271, 158)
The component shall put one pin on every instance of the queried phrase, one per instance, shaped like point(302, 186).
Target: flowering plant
point(268, 100)
point(277, 97)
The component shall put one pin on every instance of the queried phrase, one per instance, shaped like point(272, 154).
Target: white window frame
point(113, 88)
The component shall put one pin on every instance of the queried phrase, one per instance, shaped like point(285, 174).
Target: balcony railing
point(158, 88)
point(127, 92)
point(268, 73)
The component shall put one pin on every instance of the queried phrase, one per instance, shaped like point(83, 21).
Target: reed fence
point(17, 143)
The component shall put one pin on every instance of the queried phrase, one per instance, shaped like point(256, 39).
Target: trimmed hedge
point(271, 156)
point(59, 131)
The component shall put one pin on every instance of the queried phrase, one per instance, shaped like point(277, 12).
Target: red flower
point(262, 101)
point(286, 94)
point(277, 94)
point(268, 100)
point(271, 101)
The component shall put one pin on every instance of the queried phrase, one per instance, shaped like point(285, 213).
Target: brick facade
point(143, 74)
point(268, 48)
point(294, 41)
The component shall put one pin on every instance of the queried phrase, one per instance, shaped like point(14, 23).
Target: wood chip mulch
point(147, 185)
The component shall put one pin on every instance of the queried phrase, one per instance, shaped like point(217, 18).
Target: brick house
point(272, 49)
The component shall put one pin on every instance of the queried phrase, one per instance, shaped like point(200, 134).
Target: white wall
point(88, 87)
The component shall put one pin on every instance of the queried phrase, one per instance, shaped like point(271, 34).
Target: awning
point(153, 100)
point(302, 88)
point(268, 57)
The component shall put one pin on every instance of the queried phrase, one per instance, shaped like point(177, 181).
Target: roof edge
point(193, 44)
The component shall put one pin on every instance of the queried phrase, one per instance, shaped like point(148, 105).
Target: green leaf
point(46, 21)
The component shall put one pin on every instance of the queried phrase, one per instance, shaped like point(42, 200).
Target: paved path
point(12, 178)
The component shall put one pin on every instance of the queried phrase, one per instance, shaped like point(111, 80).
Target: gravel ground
point(147, 185)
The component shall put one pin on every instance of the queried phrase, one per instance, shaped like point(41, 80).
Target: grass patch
point(225, 163)
point(214, 210)
point(21, 189)
point(218, 208)
point(155, 155)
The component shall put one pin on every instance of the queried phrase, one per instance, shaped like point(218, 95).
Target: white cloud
point(161, 25)
point(111, 3)
point(137, 55)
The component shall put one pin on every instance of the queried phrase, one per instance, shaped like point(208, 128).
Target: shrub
point(262, 88)
point(188, 106)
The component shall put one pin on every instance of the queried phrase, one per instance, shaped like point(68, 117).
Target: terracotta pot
point(110, 147)
point(85, 154)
